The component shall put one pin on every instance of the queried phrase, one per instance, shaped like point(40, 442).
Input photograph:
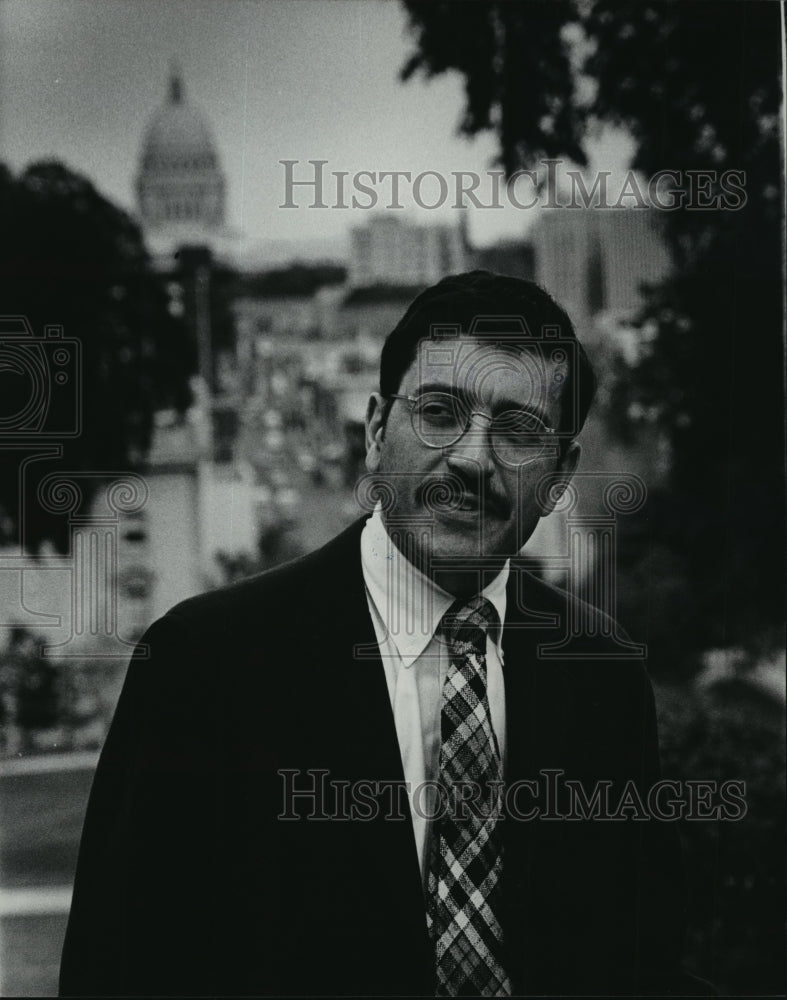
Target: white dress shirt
point(406, 608)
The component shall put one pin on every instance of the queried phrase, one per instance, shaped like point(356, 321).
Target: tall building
point(392, 251)
point(180, 185)
point(596, 262)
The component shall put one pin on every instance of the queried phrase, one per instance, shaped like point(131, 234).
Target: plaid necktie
point(465, 866)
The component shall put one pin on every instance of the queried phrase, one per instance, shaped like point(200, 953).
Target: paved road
point(42, 803)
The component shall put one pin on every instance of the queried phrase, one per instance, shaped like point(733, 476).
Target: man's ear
point(566, 466)
point(375, 426)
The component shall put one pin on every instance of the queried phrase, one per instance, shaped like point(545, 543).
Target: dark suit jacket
point(188, 883)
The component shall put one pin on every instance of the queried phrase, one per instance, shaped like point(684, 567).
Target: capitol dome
point(180, 186)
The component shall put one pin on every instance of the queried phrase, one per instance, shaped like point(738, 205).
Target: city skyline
point(274, 81)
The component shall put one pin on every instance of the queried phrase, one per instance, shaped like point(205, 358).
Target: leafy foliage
point(713, 373)
point(71, 258)
point(733, 869)
point(297, 279)
point(516, 62)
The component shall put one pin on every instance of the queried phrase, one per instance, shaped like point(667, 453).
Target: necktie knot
point(469, 621)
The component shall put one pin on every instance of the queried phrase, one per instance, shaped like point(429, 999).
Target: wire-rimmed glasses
point(440, 419)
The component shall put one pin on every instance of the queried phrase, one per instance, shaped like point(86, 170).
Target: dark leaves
point(70, 257)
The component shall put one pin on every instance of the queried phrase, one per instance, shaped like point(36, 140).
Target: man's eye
point(437, 409)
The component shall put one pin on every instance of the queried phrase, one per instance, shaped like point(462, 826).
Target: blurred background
point(185, 363)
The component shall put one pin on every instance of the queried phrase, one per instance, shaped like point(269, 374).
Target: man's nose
point(472, 452)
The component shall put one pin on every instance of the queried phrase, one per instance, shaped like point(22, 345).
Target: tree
point(72, 259)
point(697, 84)
point(516, 61)
point(714, 371)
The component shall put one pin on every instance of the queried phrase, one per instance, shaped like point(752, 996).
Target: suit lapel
point(347, 631)
point(541, 703)
point(540, 698)
point(541, 709)
point(369, 750)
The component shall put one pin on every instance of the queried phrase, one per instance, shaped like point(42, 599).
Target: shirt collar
point(409, 604)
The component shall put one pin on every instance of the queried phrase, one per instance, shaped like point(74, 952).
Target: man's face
point(461, 506)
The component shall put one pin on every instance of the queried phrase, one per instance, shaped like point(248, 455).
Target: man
point(305, 789)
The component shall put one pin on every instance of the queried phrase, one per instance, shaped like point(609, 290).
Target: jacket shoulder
point(289, 589)
point(534, 593)
point(575, 636)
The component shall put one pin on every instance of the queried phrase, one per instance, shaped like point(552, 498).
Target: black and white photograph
point(392, 472)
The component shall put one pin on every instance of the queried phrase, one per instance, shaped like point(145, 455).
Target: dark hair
point(459, 299)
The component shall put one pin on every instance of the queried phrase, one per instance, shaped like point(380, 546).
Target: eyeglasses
point(440, 419)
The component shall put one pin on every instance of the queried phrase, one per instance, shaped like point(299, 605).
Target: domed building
point(180, 186)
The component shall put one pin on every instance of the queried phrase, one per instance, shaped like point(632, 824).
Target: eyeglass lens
point(441, 419)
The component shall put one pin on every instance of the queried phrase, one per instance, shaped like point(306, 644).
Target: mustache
point(441, 492)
